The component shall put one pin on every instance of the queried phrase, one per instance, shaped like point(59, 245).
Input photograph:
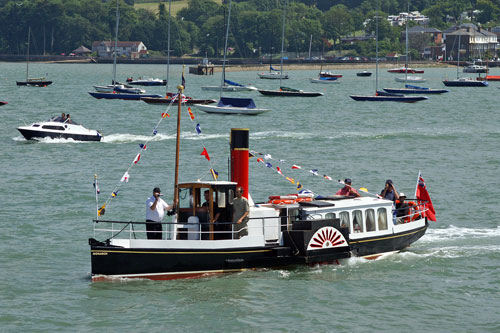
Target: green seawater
point(448, 281)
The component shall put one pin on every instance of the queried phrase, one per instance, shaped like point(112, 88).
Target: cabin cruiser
point(59, 128)
point(285, 230)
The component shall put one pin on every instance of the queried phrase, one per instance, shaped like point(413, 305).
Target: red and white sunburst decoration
point(326, 237)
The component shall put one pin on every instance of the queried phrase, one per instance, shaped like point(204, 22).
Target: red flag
point(423, 195)
point(279, 170)
point(205, 153)
point(296, 167)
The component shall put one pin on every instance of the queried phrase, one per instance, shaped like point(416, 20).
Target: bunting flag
point(125, 177)
point(164, 115)
point(268, 156)
point(314, 171)
point(191, 115)
point(296, 167)
point(96, 186)
point(155, 131)
point(143, 146)
point(205, 153)
point(269, 165)
point(214, 173)
point(251, 154)
point(102, 210)
point(327, 177)
point(114, 194)
point(137, 158)
point(279, 171)
point(291, 180)
point(260, 160)
point(299, 186)
point(198, 129)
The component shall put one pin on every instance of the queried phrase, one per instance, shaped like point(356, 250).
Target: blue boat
point(127, 96)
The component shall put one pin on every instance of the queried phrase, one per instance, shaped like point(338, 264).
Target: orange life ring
point(282, 201)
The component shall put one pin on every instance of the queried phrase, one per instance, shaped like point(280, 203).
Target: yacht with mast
point(33, 82)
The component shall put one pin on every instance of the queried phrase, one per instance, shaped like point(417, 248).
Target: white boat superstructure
point(56, 128)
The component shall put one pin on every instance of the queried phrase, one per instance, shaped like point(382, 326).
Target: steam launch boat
point(286, 230)
point(58, 128)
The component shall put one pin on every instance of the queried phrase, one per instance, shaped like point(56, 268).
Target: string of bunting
point(214, 173)
point(315, 172)
point(142, 148)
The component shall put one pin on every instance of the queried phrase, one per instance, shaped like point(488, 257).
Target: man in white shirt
point(155, 211)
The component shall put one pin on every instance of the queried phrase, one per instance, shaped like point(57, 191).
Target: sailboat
point(412, 89)
point(463, 81)
point(34, 82)
point(228, 85)
point(325, 77)
point(116, 90)
point(273, 73)
point(381, 96)
point(232, 105)
point(169, 96)
point(286, 91)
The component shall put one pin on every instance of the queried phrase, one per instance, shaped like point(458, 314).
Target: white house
point(131, 50)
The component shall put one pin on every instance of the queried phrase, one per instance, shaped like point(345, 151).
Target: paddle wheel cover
point(326, 237)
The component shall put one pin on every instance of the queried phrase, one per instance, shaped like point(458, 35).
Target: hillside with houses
point(338, 29)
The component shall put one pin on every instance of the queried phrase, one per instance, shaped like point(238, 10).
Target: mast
point(116, 43)
point(177, 148)
point(225, 51)
point(28, 55)
point(310, 44)
point(168, 43)
point(282, 43)
point(406, 58)
point(458, 57)
point(376, 47)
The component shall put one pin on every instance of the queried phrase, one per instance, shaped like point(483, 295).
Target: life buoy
point(304, 199)
point(282, 201)
point(414, 212)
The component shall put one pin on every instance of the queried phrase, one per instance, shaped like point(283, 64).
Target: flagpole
point(96, 197)
point(177, 149)
point(416, 186)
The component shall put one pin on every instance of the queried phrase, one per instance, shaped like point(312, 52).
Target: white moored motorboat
point(227, 105)
point(57, 128)
point(273, 75)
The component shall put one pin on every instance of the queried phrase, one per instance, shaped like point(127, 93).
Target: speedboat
point(146, 81)
point(58, 128)
point(475, 69)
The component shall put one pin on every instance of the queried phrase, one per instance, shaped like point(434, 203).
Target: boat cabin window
point(59, 128)
point(357, 221)
point(221, 199)
point(382, 218)
point(230, 194)
point(370, 220)
point(36, 125)
point(344, 220)
point(330, 216)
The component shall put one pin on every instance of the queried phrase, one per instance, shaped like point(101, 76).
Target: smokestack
point(239, 158)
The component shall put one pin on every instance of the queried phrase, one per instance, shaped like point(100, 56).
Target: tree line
point(59, 26)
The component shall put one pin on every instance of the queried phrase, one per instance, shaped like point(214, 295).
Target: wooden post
point(177, 149)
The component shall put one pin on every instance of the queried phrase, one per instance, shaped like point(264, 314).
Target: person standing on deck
point(155, 211)
point(241, 209)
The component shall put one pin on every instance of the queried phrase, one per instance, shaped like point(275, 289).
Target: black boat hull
point(162, 100)
point(416, 91)
point(373, 247)
point(471, 83)
point(167, 264)
point(32, 135)
point(401, 99)
point(289, 93)
point(34, 83)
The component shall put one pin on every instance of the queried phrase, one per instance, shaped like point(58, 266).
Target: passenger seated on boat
point(68, 119)
point(402, 209)
point(241, 209)
point(347, 190)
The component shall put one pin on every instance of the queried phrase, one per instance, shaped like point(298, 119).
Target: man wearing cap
point(347, 190)
point(155, 211)
point(402, 208)
point(389, 192)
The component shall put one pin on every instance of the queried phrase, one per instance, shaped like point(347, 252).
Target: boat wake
point(453, 233)
point(48, 140)
point(126, 138)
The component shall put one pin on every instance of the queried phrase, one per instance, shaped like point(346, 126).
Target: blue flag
point(198, 128)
